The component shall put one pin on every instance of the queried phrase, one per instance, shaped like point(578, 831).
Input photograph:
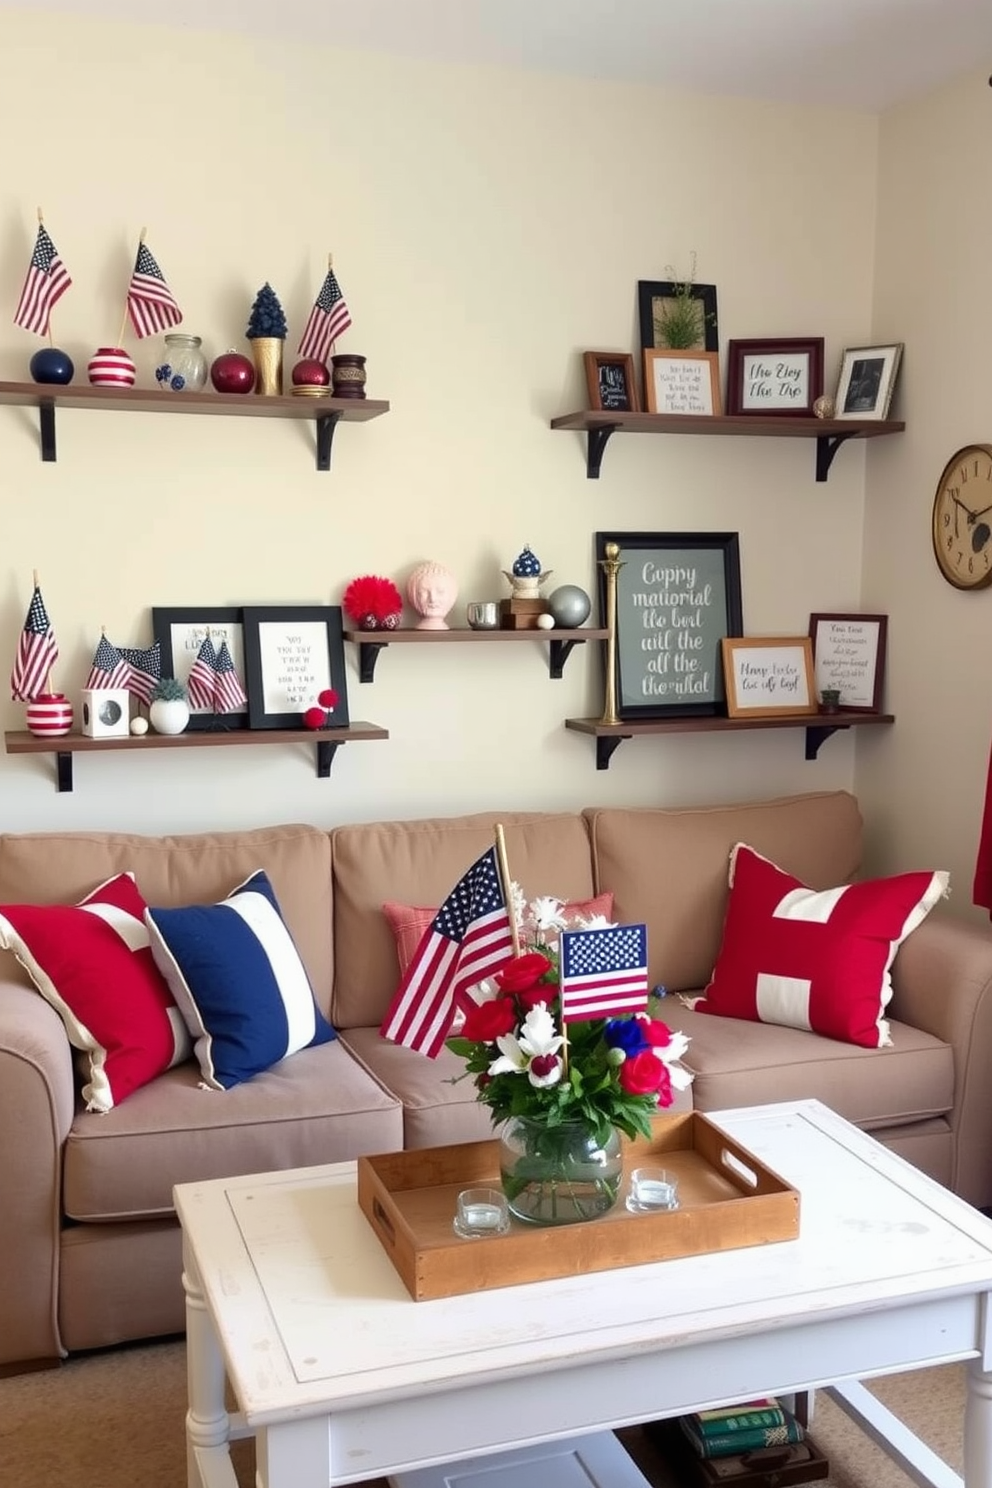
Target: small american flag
point(47, 281)
point(329, 318)
point(231, 696)
point(108, 667)
point(37, 652)
point(603, 972)
point(144, 669)
point(150, 302)
point(201, 684)
point(467, 939)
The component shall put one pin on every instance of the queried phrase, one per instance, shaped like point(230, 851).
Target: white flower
point(670, 1054)
point(545, 913)
point(538, 1040)
point(596, 922)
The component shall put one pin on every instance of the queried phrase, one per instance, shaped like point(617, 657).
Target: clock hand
point(976, 515)
point(972, 516)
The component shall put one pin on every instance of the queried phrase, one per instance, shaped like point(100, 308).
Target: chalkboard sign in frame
point(610, 380)
point(673, 584)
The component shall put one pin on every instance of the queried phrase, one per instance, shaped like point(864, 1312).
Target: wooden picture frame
point(780, 376)
point(651, 295)
point(293, 652)
point(610, 381)
point(678, 596)
point(849, 656)
point(769, 676)
point(682, 382)
point(181, 632)
point(867, 381)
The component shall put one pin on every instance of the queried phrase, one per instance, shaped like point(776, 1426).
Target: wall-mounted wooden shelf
point(324, 413)
point(818, 728)
point(327, 742)
point(829, 434)
point(371, 642)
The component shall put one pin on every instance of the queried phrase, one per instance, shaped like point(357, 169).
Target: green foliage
point(680, 322)
point(267, 316)
point(169, 690)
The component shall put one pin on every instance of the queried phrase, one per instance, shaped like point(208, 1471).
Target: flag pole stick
point(504, 880)
point(41, 223)
point(120, 338)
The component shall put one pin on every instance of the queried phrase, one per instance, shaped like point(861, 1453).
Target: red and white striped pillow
point(92, 962)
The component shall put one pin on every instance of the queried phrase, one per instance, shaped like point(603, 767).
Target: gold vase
point(267, 354)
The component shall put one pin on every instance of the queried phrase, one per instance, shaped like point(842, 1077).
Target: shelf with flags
point(324, 412)
point(65, 746)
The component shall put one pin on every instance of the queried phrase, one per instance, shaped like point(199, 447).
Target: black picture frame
point(180, 631)
point(650, 290)
point(672, 585)
point(316, 636)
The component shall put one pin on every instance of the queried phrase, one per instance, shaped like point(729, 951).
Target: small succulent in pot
point(169, 690)
point(830, 700)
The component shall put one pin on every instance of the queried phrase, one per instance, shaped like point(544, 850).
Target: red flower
point(486, 1021)
point(531, 996)
point(523, 973)
point(643, 1074)
point(658, 1034)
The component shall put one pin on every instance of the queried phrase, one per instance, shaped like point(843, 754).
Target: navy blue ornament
point(51, 365)
point(526, 566)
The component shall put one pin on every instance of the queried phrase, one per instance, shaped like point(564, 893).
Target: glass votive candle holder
point(481, 1212)
point(652, 1190)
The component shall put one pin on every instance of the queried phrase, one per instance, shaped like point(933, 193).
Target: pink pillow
point(818, 961)
point(93, 963)
point(408, 922)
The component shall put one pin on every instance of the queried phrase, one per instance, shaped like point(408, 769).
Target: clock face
point(962, 518)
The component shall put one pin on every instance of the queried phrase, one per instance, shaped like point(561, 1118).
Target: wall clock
point(962, 518)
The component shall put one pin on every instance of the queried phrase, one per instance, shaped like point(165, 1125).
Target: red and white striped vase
point(110, 366)
point(49, 715)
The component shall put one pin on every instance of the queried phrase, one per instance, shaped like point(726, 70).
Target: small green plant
point(680, 322)
point(267, 315)
point(169, 690)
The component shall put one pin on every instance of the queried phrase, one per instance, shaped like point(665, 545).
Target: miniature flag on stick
point(230, 695)
point(144, 669)
point(329, 318)
point(201, 684)
point(150, 302)
point(46, 282)
point(108, 668)
point(468, 938)
point(37, 652)
point(603, 972)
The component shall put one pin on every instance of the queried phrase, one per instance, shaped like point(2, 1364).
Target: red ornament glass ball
point(311, 373)
point(314, 718)
point(232, 373)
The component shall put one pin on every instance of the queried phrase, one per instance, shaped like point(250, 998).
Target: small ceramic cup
point(481, 1212)
point(483, 615)
point(652, 1190)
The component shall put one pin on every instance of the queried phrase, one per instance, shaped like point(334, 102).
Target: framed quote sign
point(780, 377)
point(678, 596)
point(849, 656)
point(180, 634)
point(293, 653)
point(769, 675)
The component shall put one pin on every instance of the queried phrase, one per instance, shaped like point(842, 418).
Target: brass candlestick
point(611, 565)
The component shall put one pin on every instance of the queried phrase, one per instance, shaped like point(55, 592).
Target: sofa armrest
point(37, 1104)
point(942, 985)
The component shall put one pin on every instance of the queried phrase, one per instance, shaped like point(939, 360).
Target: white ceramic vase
point(169, 715)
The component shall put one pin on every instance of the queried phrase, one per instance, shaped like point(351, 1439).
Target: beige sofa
point(90, 1244)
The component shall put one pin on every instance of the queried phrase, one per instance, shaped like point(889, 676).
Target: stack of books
point(734, 1429)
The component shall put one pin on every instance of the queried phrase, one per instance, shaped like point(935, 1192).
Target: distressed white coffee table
point(340, 1376)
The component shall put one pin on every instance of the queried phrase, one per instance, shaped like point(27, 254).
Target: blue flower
point(178, 383)
point(163, 373)
point(626, 1034)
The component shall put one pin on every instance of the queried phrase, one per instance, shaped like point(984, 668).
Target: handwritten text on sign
point(847, 658)
point(682, 384)
point(775, 382)
point(295, 664)
point(770, 677)
point(672, 615)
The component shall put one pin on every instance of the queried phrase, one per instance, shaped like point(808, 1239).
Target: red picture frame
point(774, 376)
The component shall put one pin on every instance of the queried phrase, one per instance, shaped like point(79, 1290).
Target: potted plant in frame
point(680, 321)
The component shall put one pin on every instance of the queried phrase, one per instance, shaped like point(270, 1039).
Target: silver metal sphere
point(570, 606)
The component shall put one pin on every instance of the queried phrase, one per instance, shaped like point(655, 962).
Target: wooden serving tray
point(728, 1200)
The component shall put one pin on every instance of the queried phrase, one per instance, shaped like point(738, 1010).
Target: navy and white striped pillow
point(236, 975)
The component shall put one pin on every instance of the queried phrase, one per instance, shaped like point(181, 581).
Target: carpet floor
point(115, 1420)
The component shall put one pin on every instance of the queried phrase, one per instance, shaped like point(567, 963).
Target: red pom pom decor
point(373, 603)
point(314, 718)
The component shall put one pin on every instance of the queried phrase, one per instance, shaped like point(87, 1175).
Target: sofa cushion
point(667, 867)
point(814, 960)
point(196, 867)
point(239, 982)
point(173, 1131)
point(419, 862)
point(93, 964)
point(736, 1063)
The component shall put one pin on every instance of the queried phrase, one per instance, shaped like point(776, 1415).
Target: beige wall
point(924, 793)
point(487, 226)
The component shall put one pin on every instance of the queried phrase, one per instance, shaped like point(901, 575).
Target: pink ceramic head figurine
point(432, 591)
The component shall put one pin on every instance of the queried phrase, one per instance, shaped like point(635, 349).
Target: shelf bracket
point(560, 652)
point(827, 446)
point(326, 424)
point(368, 655)
point(63, 769)
point(606, 744)
point(596, 442)
point(326, 749)
point(817, 734)
point(46, 415)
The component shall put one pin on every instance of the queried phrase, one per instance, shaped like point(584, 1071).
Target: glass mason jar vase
point(185, 366)
point(558, 1175)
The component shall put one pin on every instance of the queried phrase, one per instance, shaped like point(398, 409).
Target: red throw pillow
point(408, 922)
point(92, 962)
point(814, 960)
